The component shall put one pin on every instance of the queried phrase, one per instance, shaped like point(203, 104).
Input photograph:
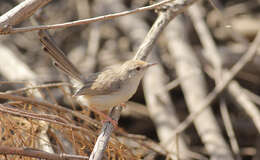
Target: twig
point(243, 98)
point(13, 82)
point(84, 21)
point(37, 87)
point(48, 105)
point(104, 136)
point(253, 97)
point(229, 128)
point(246, 58)
point(194, 90)
point(46, 118)
point(177, 147)
point(30, 152)
point(19, 13)
point(171, 85)
point(162, 111)
point(19, 112)
point(212, 54)
point(161, 22)
point(244, 101)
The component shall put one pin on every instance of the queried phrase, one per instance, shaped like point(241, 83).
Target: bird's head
point(135, 68)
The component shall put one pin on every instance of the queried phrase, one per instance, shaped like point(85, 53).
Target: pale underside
point(104, 102)
point(108, 92)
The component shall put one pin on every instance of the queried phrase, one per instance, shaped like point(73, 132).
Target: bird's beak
point(151, 64)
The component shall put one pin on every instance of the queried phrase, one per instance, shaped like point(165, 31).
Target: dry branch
point(230, 131)
point(172, 10)
point(31, 152)
point(245, 59)
point(213, 56)
point(19, 13)
point(244, 101)
point(105, 134)
point(85, 21)
point(162, 111)
point(41, 117)
point(42, 103)
point(194, 89)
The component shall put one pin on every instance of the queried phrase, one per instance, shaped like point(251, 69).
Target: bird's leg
point(109, 119)
point(106, 117)
point(123, 105)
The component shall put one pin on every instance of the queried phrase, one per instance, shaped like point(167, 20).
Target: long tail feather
point(60, 60)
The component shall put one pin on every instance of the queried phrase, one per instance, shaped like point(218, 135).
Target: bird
point(102, 90)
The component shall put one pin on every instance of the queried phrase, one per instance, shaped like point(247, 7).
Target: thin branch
point(253, 97)
point(38, 87)
point(229, 128)
point(174, 9)
point(45, 118)
point(47, 105)
point(246, 58)
point(162, 111)
point(84, 21)
point(244, 101)
point(213, 56)
point(13, 82)
point(194, 89)
point(30, 152)
point(19, 13)
point(105, 134)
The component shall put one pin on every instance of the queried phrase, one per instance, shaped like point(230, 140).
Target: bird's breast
point(122, 95)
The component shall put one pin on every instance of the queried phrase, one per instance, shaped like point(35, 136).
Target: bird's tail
point(60, 60)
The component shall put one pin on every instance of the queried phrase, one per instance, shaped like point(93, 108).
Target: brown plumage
point(105, 89)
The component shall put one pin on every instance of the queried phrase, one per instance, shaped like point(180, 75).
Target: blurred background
point(165, 93)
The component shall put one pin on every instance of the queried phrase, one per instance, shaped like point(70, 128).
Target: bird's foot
point(106, 117)
point(113, 122)
point(123, 105)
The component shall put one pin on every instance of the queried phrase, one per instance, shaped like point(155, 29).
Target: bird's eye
point(138, 68)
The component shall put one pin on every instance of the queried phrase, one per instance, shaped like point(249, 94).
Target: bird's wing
point(101, 83)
